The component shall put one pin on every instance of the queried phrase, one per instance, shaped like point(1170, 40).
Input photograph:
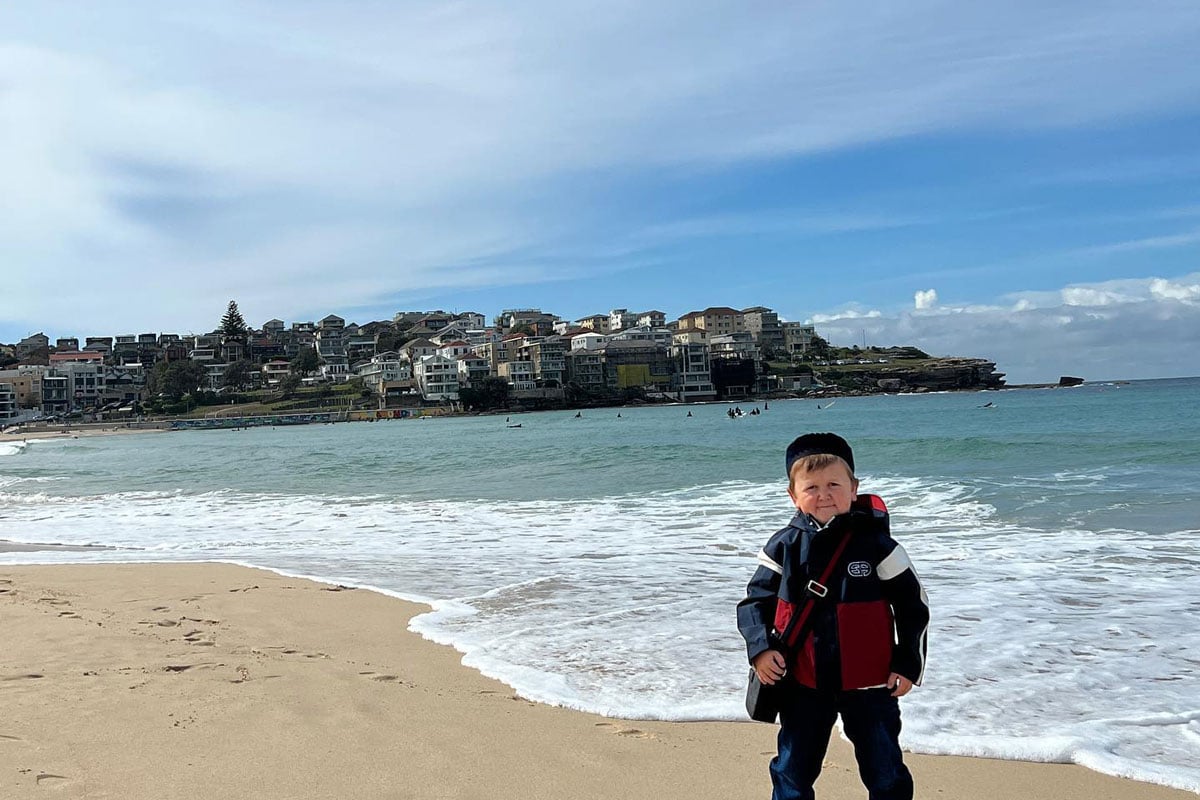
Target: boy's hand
point(899, 684)
point(770, 666)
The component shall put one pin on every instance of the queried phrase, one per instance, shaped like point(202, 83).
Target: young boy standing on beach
point(861, 645)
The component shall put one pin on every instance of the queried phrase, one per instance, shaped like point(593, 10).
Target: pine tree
point(233, 326)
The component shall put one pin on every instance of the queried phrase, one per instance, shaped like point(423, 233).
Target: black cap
point(811, 444)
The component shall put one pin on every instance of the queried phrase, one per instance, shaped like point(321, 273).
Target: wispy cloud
point(1166, 242)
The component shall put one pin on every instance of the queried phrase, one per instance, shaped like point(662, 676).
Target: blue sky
point(1020, 183)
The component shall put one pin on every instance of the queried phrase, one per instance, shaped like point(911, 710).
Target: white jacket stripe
point(765, 560)
point(896, 562)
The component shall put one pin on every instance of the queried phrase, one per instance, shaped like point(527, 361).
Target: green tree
point(524, 328)
point(818, 347)
point(288, 385)
point(233, 326)
point(174, 379)
point(490, 393)
point(306, 362)
point(239, 374)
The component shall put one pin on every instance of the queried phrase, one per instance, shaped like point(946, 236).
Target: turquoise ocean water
point(1056, 533)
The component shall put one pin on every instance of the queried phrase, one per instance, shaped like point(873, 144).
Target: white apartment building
point(436, 377)
point(692, 379)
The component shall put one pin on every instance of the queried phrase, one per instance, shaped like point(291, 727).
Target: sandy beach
point(210, 680)
point(74, 432)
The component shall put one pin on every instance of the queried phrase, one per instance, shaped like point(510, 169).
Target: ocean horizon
point(595, 562)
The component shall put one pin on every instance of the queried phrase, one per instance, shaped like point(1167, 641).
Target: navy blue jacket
point(872, 622)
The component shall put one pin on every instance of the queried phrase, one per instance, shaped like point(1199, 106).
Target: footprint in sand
point(386, 678)
point(634, 732)
point(47, 777)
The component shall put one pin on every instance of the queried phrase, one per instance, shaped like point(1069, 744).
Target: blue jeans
point(871, 720)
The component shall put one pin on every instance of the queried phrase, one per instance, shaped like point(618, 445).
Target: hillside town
point(526, 357)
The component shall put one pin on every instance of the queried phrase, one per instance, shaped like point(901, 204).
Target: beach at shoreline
point(209, 679)
point(75, 432)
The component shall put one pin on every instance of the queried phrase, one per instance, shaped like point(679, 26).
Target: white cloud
point(925, 299)
point(1134, 329)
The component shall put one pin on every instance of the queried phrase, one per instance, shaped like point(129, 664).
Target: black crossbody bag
point(763, 701)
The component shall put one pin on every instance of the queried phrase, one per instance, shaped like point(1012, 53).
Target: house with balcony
point(619, 319)
point(125, 348)
point(798, 337)
point(202, 354)
point(585, 371)
point(596, 322)
point(519, 375)
point(416, 349)
point(547, 357)
point(764, 325)
point(651, 319)
point(470, 320)
point(275, 370)
point(26, 384)
point(472, 369)
point(214, 375)
point(8, 403)
point(85, 384)
point(360, 347)
point(436, 378)
point(451, 333)
point(386, 374)
point(691, 380)
point(715, 321)
point(123, 384)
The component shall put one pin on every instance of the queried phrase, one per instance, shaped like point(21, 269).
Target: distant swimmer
point(988, 404)
point(578, 414)
point(689, 413)
point(766, 406)
point(618, 415)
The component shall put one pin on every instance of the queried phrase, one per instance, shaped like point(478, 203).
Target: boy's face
point(823, 493)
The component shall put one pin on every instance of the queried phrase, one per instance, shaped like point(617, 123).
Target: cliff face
point(946, 374)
